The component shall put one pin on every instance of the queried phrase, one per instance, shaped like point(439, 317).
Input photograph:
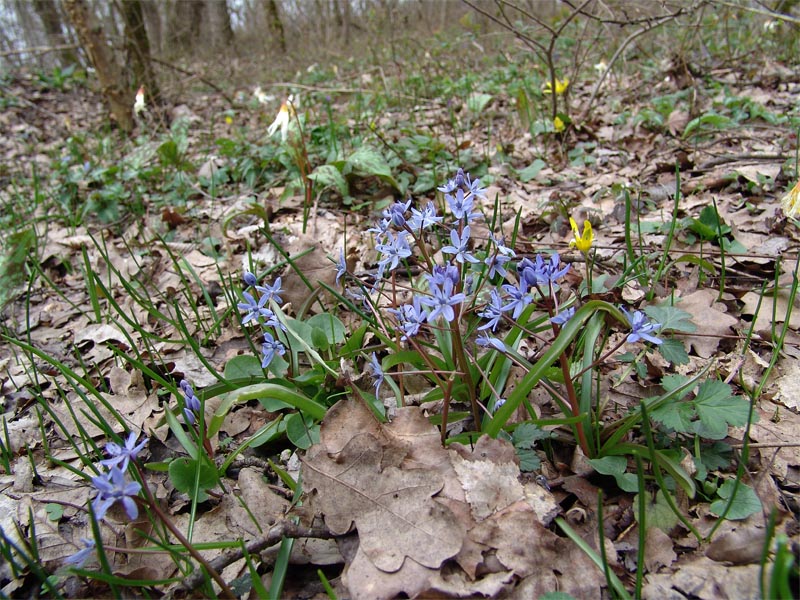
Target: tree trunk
point(108, 72)
point(51, 21)
point(185, 21)
point(137, 47)
point(275, 25)
point(152, 18)
point(220, 18)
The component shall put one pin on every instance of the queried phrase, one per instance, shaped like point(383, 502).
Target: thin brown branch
point(208, 82)
point(283, 529)
point(37, 50)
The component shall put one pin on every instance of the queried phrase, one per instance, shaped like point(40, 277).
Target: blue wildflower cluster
point(480, 277)
point(257, 312)
point(113, 485)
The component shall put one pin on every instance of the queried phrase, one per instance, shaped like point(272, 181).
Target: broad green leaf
point(425, 183)
point(332, 327)
point(183, 474)
point(528, 460)
point(328, 176)
point(54, 511)
point(616, 466)
point(532, 170)
point(676, 415)
point(671, 318)
point(367, 162)
point(477, 102)
point(657, 512)
point(673, 351)
point(707, 121)
point(715, 404)
point(244, 366)
point(527, 434)
point(745, 503)
point(301, 431)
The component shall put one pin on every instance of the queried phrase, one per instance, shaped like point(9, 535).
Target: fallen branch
point(274, 535)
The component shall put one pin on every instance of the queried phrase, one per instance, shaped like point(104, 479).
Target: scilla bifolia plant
point(461, 321)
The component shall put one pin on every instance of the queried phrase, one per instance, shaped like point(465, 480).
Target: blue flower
point(641, 327)
point(442, 300)
point(498, 404)
point(396, 213)
point(341, 267)
point(499, 243)
point(249, 279)
point(541, 272)
point(493, 311)
point(377, 372)
point(270, 292)
point(461, 206)
point(496, 264)
point(81, 556)
point(395, 250)
point(255, 309)
point(410, 317)
point(112, 487)
point(460, 246)
point(425, 219)
point(270, 348)
point(122, 455)
point(381, 230)
point(564, 316)
point(191, 403)
point(485, 340)
point(519, 299)
point(440, 274)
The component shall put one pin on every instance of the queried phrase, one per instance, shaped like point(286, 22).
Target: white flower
point(283, 119)
point(601, 67)
point(262, 98)
point(139, 106)
point(790, 204)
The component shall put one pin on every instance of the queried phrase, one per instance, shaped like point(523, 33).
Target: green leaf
point(477, 102)
point(328, 176)
point(528, 460)
point(331, 326)
point(244, 366)
point(54, 511)
point(671, 318)
point(556, 596)
point(745, 503)
point(532, 170)
point(301, 431)
point(707, 121)
point(183, 474)
point(674, 352)
point(272, 391)
point(425, 183)
point(658, 512)
point(616, 466)
point(678, 416)
point(367, 162)
point(718, 408)
point(527, 434)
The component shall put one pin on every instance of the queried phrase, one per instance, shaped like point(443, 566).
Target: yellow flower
point(558, 125)
point(283, 119)
point(561, 87)
point(583, 242)
point(791, 201)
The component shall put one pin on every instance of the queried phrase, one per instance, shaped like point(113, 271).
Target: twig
point(210, 84)
point(40, 50)
point(649, 27)
point(275, 534)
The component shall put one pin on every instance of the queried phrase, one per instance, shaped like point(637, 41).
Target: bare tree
point(220, 17)
point(94, 43)
point(137, 47)
point(275, 25)
point(47, 10)
point(185, 24)
point(152, 18)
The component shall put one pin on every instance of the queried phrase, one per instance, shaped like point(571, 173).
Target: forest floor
point(121, 251)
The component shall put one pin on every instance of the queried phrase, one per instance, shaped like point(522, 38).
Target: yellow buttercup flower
point(583, 241)
point(561, 87)
point(791, 201)
point(558, 125)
